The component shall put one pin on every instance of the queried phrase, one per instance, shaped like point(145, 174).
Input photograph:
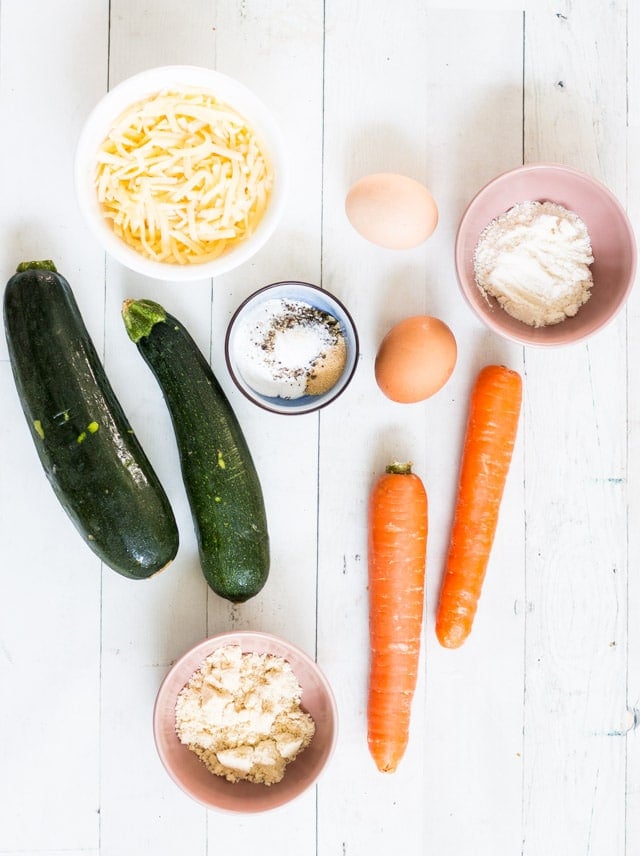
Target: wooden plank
point(285, 448)
point(575, 443)
point(389, 107)
point(473, 705)
point(481, 6)
point(285, 71)
point(632, 721)
point(50, 586)
point(82, 852)
point(178, 611)
point(50, 714)
point(146, 627)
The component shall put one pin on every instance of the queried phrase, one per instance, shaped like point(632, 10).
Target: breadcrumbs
point(240, 713)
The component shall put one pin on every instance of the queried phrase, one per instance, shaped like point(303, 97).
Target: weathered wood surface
point(523, 741)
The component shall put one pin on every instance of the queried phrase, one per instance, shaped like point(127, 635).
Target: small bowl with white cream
point(291, 347)
point(180, 173)
point(545, 255)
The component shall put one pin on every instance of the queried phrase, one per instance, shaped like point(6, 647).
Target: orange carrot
point(492, 425)
point(396, 559)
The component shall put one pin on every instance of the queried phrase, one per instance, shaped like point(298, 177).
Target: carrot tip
point(386, 763)
point(453, 637)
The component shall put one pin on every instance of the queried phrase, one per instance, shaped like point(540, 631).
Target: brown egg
point(415, 359)
point(393, 211)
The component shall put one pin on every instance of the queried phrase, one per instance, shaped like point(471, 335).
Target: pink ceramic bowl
point(215, 792)
point(612, 241)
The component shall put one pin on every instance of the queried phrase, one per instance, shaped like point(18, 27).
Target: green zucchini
point(218, 471)
point(95, 464)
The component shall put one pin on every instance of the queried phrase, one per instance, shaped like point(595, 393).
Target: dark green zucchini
point(220, 478)
point(89, 452)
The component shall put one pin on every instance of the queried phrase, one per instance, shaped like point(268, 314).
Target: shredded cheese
point(182, 177)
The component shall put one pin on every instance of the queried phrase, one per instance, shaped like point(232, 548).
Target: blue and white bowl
point(319, 299)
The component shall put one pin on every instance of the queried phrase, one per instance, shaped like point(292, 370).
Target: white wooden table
point(523, 740)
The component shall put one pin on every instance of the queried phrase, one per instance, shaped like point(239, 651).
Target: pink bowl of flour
point(612, 241)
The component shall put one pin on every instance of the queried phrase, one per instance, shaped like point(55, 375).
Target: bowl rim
point(142, 85)
point(205, 647)
point(525, 339)
point(322, 401)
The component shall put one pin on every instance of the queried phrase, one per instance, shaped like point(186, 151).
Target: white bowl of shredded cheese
point(180, 173)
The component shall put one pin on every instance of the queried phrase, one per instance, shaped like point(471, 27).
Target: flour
point(240, 713)
point(534, 259)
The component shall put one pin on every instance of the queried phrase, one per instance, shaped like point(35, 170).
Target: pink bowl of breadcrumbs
point(179, 716)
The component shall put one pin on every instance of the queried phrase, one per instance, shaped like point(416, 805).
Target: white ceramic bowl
point(612, 241)
point(140, 86)
point(215, 792)
point(316, 297)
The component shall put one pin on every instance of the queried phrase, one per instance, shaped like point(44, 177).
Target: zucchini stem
point(140, 317)
point(46, 264)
